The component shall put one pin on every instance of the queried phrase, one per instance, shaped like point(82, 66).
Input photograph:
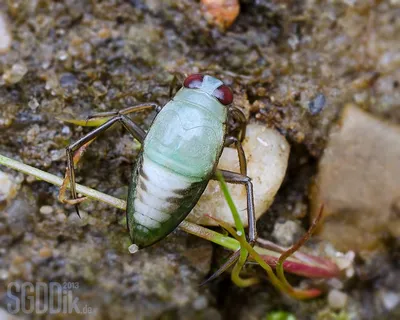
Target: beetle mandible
point(178, 157)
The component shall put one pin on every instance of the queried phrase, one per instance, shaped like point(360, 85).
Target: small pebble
point(8, 187)
point(46, 210)
point(200, 303)
point(15, 74)
point(75, 220)
point(286, 232)
point(32, 133)
point(51, 82)
point(221, 13)
point(45, 252)
point(104, 33)
point(3, 274)
point(390, 299)
point(61, 217)
point(62, 55)
point(337, 299)
point(33, 104)
point(133, 248)
point(18, 260)
point(30, 179)
point(99, 89)
point(68, 80)
point(335, 283)
point(57, 154)
point(361, 97)
point(5, 35)
point(66, 131)
point(317, 104)
point(345, 261)
point(3, 228)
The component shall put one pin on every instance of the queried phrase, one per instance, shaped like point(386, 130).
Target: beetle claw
point(232, 259)
point(77, 211)
point(74, 202)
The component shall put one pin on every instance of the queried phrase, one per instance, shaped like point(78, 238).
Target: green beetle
point(179, 156)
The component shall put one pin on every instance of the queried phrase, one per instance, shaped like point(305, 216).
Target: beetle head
point(211, 86)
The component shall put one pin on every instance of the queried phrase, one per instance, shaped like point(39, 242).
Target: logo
point(44, 298)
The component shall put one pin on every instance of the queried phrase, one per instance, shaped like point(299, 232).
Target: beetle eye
point(223, 94)
point(193, 81)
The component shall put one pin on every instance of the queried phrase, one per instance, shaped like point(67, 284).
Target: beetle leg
point(63, 188)
point(239, 116)
point(172, 85)
point(242, 157)
point(237, 178)
point(137, 132)
point(228, 263)
point(135, 108)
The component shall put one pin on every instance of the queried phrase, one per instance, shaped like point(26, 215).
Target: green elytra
point(186, 140)
point(179, 156)
point(188, 134)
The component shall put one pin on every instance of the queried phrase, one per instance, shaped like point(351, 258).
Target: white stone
point(15, 74)
point(200, 303)
point(390, 299)
point(46, 210)
point(337, 299)
point(345, 261)
point(5, 36)
point(335, 283)
point(358, 183)
point(285, 232)
point(81, 221)
point(133, 248)
point(4, 315)
point(8, 187)
point(267, 153)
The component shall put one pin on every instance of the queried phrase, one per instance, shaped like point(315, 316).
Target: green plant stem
point(295, 293)
point(235, 275)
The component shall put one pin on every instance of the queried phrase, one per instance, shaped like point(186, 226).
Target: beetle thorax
point(209, 84)
point(203, 98)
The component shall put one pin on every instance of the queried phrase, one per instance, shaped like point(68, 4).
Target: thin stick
point(186, 226)
point(286, 254)
point(50, 178)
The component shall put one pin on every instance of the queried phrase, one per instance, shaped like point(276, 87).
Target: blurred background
point(325, 74)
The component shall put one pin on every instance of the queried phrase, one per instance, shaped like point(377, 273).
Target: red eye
point(193, 81)
point(223, 94)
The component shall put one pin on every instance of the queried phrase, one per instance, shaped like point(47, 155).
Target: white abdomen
point(158, 194)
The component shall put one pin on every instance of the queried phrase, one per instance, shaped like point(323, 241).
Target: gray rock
point(358, 182)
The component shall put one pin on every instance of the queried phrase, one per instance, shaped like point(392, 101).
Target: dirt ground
point(292, 65)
